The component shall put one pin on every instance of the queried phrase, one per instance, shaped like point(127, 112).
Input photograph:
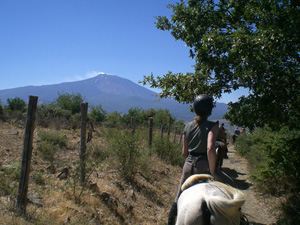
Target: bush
point(168, 151)
point(97, 153)
point(53, 138)
point(126, 151)
point(290, 211)
point(113, 119)
point(51, 114)
point(97, 113)
point(50, 145)
point(69, 102)
point(9, 175)
point(16, 104)
point(274, 157)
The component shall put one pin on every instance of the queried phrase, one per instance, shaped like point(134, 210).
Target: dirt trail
point(257, 209)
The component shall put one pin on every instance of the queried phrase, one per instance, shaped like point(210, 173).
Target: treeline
point(64, 112)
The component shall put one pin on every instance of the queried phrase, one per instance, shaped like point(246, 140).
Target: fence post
point(27, 153)
point(150, 131)
point(84, 110)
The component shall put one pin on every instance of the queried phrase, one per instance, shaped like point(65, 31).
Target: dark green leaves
point(238, 43)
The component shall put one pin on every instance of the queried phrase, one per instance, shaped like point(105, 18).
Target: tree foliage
point(70, 102)
point(237, 43)
point(97, 113)
point(16, 104)
point(161, 117)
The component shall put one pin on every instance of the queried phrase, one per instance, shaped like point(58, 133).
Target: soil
point(259, 209)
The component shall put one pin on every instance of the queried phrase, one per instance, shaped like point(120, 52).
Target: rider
point(199, 137)
point(223, 133)
point(236, 133)
point(221, 139)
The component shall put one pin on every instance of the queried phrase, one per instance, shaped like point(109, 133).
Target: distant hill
point(112, 92)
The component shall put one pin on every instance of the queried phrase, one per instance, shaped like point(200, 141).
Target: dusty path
point(257, 209)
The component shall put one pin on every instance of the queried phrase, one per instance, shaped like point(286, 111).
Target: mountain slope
point(112, 92)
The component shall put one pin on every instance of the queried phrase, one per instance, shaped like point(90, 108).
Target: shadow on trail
point(240, 184)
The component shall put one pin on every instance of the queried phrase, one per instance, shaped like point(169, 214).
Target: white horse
point(204, 201)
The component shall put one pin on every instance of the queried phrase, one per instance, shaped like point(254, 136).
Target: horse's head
point(209, 202)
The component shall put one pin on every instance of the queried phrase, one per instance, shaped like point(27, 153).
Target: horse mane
point(229, 208)
point(218, 205)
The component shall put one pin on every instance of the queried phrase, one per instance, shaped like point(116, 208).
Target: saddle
point(197, 178)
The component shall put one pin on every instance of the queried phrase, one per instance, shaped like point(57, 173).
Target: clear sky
point(54, 41)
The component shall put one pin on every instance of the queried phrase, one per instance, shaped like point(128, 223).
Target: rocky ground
point(258, 209)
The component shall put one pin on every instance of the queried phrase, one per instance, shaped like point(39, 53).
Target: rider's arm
point(211, 149)
point(184, 146)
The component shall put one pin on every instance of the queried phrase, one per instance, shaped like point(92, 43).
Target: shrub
point(69, 102)
point(113, 119)
point(50, 144)
point(8, 176)
point(126, 150)
point(16, 104)
point(97, 153)
point(290, 211)
point(51, 114)
point(168, 151)
point(53, 138)
point(274, 157)
point(97, 113)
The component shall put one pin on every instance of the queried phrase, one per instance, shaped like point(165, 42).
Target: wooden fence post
point(150, 131)
point(84, 110)
point(27, 153)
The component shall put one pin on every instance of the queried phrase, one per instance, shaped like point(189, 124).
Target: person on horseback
point(223, 133)
point(236, 133)
point(199, 138)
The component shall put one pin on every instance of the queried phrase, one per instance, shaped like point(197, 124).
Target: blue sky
point(54, 41)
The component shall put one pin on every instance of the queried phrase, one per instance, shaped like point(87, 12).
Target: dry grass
point(107, 199)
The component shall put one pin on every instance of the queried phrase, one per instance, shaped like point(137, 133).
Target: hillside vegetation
point(126, 181)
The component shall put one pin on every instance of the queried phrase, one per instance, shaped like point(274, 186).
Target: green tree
point(16, 104)
point(69, 102)
point(137, 113)
point(238, 43)
point(97, 113)
point(162, 118)
point(113, 119)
